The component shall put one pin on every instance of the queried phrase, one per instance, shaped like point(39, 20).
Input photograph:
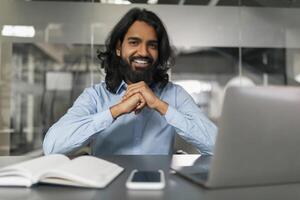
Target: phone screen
point(146, 176)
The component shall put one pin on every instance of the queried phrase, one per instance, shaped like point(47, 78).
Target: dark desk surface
point(176, 188)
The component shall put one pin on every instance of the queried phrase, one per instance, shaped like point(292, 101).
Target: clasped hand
point(137, 96)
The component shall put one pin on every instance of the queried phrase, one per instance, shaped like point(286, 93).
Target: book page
point(32, 169)
point(85, 171)
point(15, 181)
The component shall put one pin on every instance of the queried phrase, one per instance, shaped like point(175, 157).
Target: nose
point(143, 50)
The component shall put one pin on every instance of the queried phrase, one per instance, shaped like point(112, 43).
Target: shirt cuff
point(102, 120)
point(172, 115)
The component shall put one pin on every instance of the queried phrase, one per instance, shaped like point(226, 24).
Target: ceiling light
point(152, 1)
point(116, 2)
point(18, 31)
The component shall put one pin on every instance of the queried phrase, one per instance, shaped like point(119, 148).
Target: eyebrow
point(133, 38)
point(139, 39)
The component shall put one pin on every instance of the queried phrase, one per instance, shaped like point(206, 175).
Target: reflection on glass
point(47, 78)
point(40, 81)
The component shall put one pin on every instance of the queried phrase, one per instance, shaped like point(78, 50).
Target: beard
point(134, 76)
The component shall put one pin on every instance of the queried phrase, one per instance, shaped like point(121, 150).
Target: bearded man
point(136, 110)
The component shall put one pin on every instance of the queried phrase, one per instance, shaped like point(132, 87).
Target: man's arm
point(82, 121)
point(74, 129)
point(191, 123)
point(186, 117)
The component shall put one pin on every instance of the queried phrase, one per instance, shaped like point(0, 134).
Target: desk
point(176, 188)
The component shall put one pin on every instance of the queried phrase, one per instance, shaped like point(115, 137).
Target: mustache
point(146, 58)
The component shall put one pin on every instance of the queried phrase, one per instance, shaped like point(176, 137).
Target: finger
point(141, 104)
point(132, 91)
point(126, 96)
point(139, 108)
point(136, 84)
point(141, 86)
point(131, 103)
point(137, 111)
point(138, 88)
point(132, 87)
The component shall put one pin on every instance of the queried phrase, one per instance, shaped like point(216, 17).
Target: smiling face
point(139, 48)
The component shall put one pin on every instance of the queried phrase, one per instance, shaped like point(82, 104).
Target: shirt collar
point(123, 86)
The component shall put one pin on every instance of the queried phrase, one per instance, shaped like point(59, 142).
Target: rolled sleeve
point(172, 115)
point(102, 120)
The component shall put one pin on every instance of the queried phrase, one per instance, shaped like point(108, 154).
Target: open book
point(84, 171)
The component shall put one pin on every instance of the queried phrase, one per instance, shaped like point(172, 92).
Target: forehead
point(142, 30)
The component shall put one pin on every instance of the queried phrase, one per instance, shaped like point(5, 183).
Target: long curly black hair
point(110, 61)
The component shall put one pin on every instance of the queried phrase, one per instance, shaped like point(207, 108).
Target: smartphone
point(146, 180)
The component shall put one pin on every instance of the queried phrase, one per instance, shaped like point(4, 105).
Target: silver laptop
point(258, 141)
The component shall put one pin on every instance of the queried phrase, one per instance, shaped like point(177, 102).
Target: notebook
point(83, 171)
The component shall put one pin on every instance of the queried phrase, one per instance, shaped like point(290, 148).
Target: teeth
point(141, 61)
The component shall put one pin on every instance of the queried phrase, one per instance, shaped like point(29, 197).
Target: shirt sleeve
point(77, 126)
point(191, 123)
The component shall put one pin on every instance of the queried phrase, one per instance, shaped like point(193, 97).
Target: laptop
point(258, 141)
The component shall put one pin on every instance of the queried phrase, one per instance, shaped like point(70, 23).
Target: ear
point(118, 48)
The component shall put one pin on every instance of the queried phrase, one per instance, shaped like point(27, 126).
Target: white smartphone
point(146, 180)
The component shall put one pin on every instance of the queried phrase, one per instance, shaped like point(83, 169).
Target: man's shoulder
point(172, 86)
point(98, 86)
point(174, 89)
point(97, 89)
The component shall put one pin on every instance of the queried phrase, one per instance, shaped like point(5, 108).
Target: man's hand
point(152, 101)
point(135, 103)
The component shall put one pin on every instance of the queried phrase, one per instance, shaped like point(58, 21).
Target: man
point(136, 110)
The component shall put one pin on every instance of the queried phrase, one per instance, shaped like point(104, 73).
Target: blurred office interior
point(48, 55)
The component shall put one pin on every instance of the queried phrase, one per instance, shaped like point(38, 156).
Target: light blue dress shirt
point(89, 120)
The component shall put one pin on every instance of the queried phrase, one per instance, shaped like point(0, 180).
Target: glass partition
point(48, 55)
point(46, 79)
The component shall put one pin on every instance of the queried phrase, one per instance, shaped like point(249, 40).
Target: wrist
point(116, 110)
point(161, 107)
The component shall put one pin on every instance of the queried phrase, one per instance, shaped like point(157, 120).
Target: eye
point(153, 45)
point(133, 42)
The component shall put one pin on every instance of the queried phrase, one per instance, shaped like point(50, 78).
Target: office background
point(48, 55)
